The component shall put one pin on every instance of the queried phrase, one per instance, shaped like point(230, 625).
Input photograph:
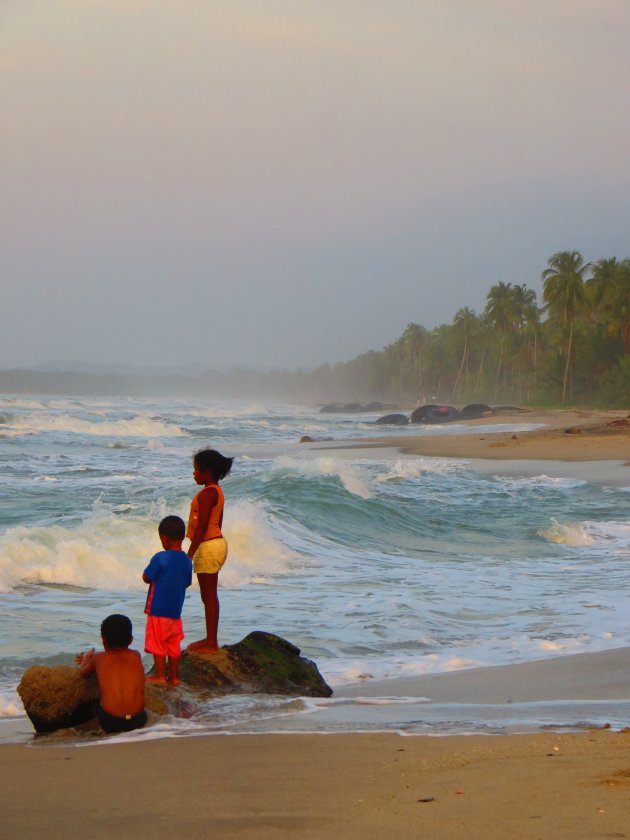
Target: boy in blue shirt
point(168, 574)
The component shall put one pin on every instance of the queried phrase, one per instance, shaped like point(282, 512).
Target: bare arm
point(86, 662)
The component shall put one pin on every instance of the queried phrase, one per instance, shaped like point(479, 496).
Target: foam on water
point(375, 568)
point(347, 473)
point(608, 536)
point(143, 427)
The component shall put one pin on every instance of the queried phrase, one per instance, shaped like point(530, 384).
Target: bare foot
point(203, 646)
point(156, 680)
point(202, 643)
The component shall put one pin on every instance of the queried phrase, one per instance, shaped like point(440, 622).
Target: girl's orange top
point(213, 529)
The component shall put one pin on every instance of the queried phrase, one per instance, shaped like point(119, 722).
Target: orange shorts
point(163, 636)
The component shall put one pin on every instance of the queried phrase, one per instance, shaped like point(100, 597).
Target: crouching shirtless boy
point(120, 675)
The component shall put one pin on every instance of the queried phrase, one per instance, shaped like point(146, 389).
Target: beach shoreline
point(564, 435)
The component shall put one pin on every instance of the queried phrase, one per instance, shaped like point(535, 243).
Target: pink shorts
point(163, 636)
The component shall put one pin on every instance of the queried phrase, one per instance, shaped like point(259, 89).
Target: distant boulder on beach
point(434, 414)
point(393, 420)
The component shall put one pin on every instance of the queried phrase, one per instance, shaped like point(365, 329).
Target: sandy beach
point(548, 784)
point(320, 786)
point(565, 435)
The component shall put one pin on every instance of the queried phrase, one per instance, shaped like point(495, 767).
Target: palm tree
point(463, 325)
point(609, 289)
point(565, 297)
point(527, 320)
point(414, 339)
point(499, 314)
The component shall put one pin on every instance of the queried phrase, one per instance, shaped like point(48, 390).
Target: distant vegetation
point(573, 348)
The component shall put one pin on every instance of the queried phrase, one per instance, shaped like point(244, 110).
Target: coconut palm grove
point(573, 347)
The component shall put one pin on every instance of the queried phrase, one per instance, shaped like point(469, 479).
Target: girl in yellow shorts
point(208, 548)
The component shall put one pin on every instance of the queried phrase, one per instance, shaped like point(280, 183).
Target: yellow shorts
point(210, 556)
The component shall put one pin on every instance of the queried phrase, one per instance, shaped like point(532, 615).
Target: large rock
point(59, 698)
point(261, 662)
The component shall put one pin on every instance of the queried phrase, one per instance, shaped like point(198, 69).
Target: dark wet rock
point(374, 406)
point(434, 414)
point(59, 698)
point(260, 663)
point(353, 408)
point(331, 408)
point(476, 410)
point(393, 420)
point(309, 439)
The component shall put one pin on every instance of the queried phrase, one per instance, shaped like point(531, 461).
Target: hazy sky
point(288, 183)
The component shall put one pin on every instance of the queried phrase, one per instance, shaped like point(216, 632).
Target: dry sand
point(537, 786)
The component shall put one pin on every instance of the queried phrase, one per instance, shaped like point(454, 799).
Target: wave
point(144, 427)
point(613, 536)
point(347, 473)
point(10, 707)
point(413, 468)
point(111, 547)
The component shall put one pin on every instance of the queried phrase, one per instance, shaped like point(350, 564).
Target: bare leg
point(208, 587)
point(173, 670)
point(160, 670)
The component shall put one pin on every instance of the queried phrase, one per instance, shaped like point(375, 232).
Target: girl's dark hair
point(116, 631)
point(209, 460)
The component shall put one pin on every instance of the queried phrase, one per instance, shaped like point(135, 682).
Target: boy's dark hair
point(116, 630)
point(172, 527)
point(212, 461)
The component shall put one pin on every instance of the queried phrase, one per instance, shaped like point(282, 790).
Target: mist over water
point(374, 567)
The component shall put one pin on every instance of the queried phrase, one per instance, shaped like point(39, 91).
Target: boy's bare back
point(121, 681)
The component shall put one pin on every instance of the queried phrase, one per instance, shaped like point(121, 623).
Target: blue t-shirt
point(170, 573)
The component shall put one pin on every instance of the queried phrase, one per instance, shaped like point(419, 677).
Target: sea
point(376, 565)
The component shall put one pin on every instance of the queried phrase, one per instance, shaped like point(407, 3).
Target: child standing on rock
point(208, 548)
point(169, 574)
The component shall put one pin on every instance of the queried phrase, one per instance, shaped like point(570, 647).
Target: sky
point(283, 184)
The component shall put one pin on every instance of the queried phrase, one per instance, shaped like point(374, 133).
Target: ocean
point(376, 565)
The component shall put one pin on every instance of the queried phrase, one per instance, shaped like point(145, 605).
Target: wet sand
point(322, 786)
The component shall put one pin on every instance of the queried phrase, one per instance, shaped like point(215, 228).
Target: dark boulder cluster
point(433, 413)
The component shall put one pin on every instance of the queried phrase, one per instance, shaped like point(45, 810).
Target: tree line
point(571, 348)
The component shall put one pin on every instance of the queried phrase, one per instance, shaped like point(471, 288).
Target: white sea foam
point(542, 480)
point(608, 535)
point(10, 707)
point(409, 469)
point(109, 551)
point(349, 475)
point(143, 427)
point(255, 554)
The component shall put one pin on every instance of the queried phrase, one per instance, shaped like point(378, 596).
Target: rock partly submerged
point(59, 698)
